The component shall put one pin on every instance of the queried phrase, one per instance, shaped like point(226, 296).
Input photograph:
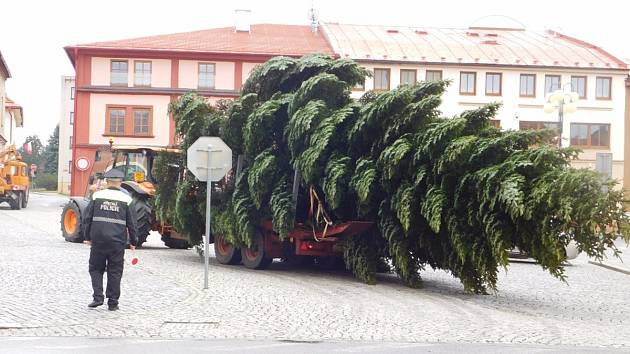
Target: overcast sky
point(33, 33)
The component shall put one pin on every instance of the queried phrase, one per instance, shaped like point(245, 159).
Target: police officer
point(108, 220)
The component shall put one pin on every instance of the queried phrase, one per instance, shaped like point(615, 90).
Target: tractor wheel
point(27, 192)
point(176, 243)
point(225, 252)
point(71, 223)
point(144, 220)
point(255, 257)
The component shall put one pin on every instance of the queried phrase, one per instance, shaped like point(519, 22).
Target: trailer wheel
point(225, 252)
point(71, 223)
point(176, 243)
point(255, 257)
point(331, 263)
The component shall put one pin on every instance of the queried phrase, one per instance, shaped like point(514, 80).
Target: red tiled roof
point(4, 69)
point(262, 39)
point(10, 105)
point(494, 46)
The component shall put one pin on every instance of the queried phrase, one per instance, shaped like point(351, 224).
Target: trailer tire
point(225, 252)
point(176, 243)
point(255, 257)
point(71, 223)
point(331, 263)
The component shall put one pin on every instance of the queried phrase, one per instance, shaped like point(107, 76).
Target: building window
point(552, 83)
point(434, 75)
point(467, 83)
point(206, 75)
point(493, 84)
point(141, 121)
point(118, 75)
point(130, 121)
point(407, 77)
point(531, 125)
point(603, 87)
point(495, 123)
point(578, 84)
point(359, 86)
point(71, 118)
point(116, 121)
point(590, 135)
point(528, 85)
point(381, 79)
point(72, 93)
point(142, 73)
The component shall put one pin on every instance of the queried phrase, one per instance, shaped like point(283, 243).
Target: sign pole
point(206, 240)
point(219, 154)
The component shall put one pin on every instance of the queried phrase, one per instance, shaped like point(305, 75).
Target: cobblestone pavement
point(45, 287)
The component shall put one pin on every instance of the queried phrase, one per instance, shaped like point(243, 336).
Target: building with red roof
point(11, 114)
point(123, 87)
point(515, 66)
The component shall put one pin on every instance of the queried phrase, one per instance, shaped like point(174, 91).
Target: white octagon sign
point(220, 158)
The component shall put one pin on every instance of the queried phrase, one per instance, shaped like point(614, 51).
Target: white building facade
point(66, 124)
point(11, 116)
point(515, 67)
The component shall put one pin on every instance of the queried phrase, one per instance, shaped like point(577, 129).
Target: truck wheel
point(176, 243)
point(71, 223)
point(255, 257)
point(225, 252)
point(17, 203)
point(143, 218)
point(25, 198)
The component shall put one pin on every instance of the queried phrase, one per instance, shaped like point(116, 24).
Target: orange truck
point(14, 180)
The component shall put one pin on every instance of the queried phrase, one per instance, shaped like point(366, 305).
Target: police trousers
point(112, 259)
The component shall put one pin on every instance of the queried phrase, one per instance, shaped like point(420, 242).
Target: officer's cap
point(114, 174)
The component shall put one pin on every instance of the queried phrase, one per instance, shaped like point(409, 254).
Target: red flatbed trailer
point(302, 242)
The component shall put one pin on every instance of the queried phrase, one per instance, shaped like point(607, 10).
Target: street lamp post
point(563, 101)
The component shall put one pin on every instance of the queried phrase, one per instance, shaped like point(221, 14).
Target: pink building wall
point(247, 69)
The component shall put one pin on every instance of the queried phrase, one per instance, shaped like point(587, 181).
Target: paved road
point(45, 290)
point(63, 345)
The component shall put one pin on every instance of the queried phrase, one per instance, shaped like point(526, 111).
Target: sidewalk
point(611, 262)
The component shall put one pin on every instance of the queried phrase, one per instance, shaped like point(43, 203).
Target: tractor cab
point(136, 164)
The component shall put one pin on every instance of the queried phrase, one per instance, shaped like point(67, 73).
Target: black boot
point(112, 307)
point(95, 303)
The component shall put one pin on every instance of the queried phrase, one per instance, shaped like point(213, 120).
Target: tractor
point(14, 181)
point(136, 164)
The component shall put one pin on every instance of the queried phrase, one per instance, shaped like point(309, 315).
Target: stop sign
point(220, 158)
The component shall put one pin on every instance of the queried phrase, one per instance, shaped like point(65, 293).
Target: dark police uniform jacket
point(108, 217)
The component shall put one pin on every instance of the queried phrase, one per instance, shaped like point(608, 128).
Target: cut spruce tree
point(451, 193)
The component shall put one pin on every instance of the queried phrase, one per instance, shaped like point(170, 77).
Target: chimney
point(313, 16)
point(242, 20)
